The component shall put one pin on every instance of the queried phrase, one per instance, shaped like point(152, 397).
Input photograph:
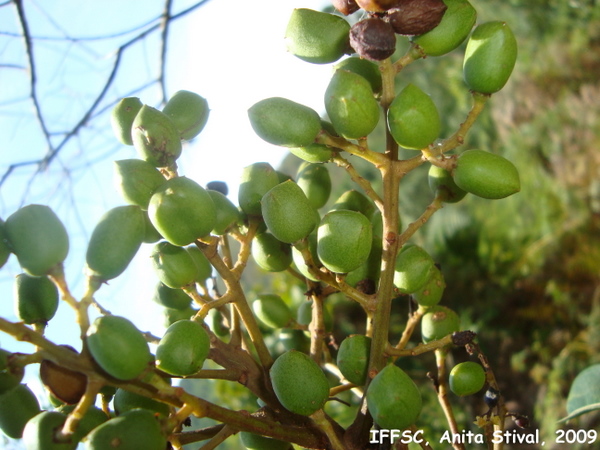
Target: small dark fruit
point(413, 17)
point(373, 39)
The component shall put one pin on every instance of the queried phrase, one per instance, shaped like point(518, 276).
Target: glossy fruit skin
point(393, 399)
point(270, 253)
point(122, 117)
point(467, 378)
point(63, 384)
point(413, 118)
point(256, 180)
point(137, 180)
point(486, 174)
point(316, 37)
point(173, 265)
point(227, 214)
point(115, 241)
point(350, 105)
point(490, 57)
point(182, 211)
point(299, 383)
point(284, 122)
point(442, 184)
point(38, 238)
point(287, 212)
point(36, 299)
point(134, 430)
point(315, 182)
point(108, 333)
point(9, 377)
point(431, 293)
point(272, 311)
point(256, 442)
point(17, 407)
point(344, 240)
point(454, 28)
point(353, 358)
point(414, 268)
point(155, 137)
point(189, 112)
point(171, 298)
point(438, 322)
point(366, 69)
point(183, 348)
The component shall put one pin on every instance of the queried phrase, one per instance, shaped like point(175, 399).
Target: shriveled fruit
point(40, 432)
point(393, 399)
point(257, 442)
point(486, 174)
point(155, 137)
point(189, 112)
point(114, 242)
point(64, 384)
point(183, 348)
point(257, 179)
point(17, 407)
point(346, 7)
point(133, 430)
point(299, 383)
point(350, 105)
point(353, 358)
point(182, 211)
point(454, 28)
point(438, 322)
point(414, 268)
point(366, 69)
point(377, 5)
point(413, 17)
point(118, 347)
point(38, 238)
point(344, 240)
point(137, 180)
point(173, 265)
point(442, 184)
point(10, 377)
point(431, 293)
point(126, 401)
point(36, 299)
point(490, 57)
point(272, 311)
point(373, 39)
point(288, 214)
point(122, 117)
point(413, 118)
point(316, 37)
point(270, 253)
point(284, 122)
point(467, 378)
point(315, 181)
point(227, 214)
point(171, 298)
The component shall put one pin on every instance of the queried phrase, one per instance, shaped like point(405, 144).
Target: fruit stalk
point(442, 390)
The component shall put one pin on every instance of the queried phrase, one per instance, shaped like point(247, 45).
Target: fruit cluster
point(355, 245)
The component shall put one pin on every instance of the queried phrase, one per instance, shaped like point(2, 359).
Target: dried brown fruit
point(415, 17)
point(377, 5)
point(346, 7)
point(373, 39)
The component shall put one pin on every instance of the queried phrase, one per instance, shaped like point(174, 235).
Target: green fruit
point(291, 339)
point(315, 182)
point(350, 105)
point(155, 137)
point(17, 407)
point(490, 57)
point(467, 378)
point(118, 347)
point(414, 268)
point(344, 240)
point(189, 112)
point(438, 322)
point(280, 121)
point(38, 238)
point(182, 211)
point(442, 184)
point(257, 179)
point(366, 69)
point(122, 117)
point(227, 214)
point(431, 293)
point(355, 201)
point(304, 315)
point(174, 265)
point(126, 401)
point(299, 259)
point(134, 430)
point(183, 348)
point(36, 299)
point(288, 213)
point(151, 234)
point(393, 399)
point(272, 311)
point(256, 442)
point(9, 376)
point(371, 268)
point(202, 263)
point(171, 298)
point(115, 241)
point(486, 174)
point(353, 358)
point(137, 180)
point(299, 383)
point(317, 37)
point(270, 253)
point(454, 28)
point(4, 247)
point(93, 417)
point(174, 315)
point(40, 432)
point(413, 119)
point(313, 153)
